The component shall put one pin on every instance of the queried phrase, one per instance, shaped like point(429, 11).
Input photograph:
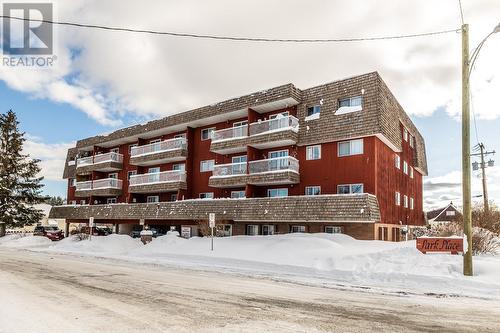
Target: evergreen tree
point(55, 201)
point(20, 188)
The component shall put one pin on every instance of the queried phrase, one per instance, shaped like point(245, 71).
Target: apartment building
point(342, 157)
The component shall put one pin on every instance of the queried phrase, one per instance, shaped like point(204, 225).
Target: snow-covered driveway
point(53, 292)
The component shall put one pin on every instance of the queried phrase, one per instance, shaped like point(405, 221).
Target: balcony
point(99, 188)
point(229, 175)
point(172, 150)
point(271, 133)
point(158, 182)
point(272, 171)
point(101, 162)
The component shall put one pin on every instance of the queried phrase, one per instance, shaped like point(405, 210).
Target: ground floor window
point(332, 229)
point(153, 198)
point(383, 233)
point(237, 194)
point(252, 230)
point(224, 230)
point(277, 192)
point(298, 228)
point(207, 195)
point(111, 201)
point(173, 197)
point(268, 229)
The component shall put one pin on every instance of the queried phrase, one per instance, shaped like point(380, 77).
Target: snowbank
point(323, 259)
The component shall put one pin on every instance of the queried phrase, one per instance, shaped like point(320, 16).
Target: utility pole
point(483, 166)
point(466, 172)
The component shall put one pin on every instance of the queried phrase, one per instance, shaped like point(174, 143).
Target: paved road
point(42, 292)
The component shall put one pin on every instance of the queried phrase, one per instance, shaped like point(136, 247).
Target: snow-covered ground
point(317, 259)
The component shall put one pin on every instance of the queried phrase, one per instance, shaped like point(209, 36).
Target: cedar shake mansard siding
point(381, 125)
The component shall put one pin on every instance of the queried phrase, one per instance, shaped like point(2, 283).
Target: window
point(277, 192)
point(224, 230)
point(207, 133)
point(154, 141)
point(348, 148)
point(331, 229)
point(279, 153)
point(313, 152)
point(405, 167)
point(179, 167)
point(173, 197)
point(350, 189)
point(72, 182)
point(131, 173)
point(240, 129)
point(239, 165)
point(298, 228)
point(114, 150)
point(405, 134)
point(154, 170)
point(73, 202)
point(178, 136)
point(132, 146)
point(237, 194)
point(252, 230)
point(82, 202)
point(313, 110)
point(207, 165)
point(450, 213)
point(412, 203)
point(405, 201)
point(111, 201)
point(277, 115)
point(397, 161)
point(207, 195)
point(113, 175)
point(412, 141)
point(268, 229)
point(313, 190)
point(411, 172)
point(153, 198)
point(352, 101)
point(398, 199)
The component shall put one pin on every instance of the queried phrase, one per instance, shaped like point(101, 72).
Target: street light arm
point(474, 55)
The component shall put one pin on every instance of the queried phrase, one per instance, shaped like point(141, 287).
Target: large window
point(152, 198)
point(352, 101)
point(313, 152)
point(348, 148)
point(252, 230)
point(268, 229)
point(412, 203)
point(405, 201)
point(313, 190)
point(179, 167)
point(412, 141)
point(313, 110)
point(277, 192)
point(398, 199)
point(397, 161)
point(411, 172)
point(207, 165)
point(207, 195)
point(332, 229)
point(405, 134)
point(111, 201)
point(297, 228)
point(207, 133)
point(237, 194)
point(350, 189)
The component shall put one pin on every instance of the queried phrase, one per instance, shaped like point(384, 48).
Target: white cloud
point(439, 191)
point(52, 156)
point(113, 73)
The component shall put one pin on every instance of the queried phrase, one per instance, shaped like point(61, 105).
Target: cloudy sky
point(105, 80)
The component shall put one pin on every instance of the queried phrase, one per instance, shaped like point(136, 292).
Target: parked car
point(135, 233)
point(97, 230)
point(51, 232)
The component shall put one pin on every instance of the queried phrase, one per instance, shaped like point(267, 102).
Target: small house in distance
point(444, 215)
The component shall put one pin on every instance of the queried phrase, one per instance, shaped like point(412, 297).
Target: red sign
point(454, 245)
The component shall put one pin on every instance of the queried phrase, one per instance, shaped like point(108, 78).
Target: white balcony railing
point(276, 124)
point(287, 163)
point(231, 169)
point(99, 158)
point(157, 147)
point(158, 177)
point(99, 184)
point(230, 133)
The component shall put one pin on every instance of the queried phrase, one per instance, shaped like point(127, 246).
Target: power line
point(219, 37)
point(461, 11)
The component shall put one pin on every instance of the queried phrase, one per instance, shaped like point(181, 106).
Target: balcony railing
point(286, 163)
point(99, 158)
point(275, 124)
point(231, 169)
point(99, 184)
point(158, 177)
point(231, 133)
point(157, 147)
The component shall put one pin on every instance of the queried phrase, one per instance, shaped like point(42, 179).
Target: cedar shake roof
point(329, 208)
point(439, 215)
point(381, 115)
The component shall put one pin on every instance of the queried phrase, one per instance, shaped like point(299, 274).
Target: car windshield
point(51, 228)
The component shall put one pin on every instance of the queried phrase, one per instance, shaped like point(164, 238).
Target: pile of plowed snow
point(112, 245)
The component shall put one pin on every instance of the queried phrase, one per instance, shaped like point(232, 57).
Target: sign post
point(211, 224)
point(91, 227)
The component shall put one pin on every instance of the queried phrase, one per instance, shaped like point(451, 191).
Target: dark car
point(51, 232)
point(135, 233)
point(97, 230)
